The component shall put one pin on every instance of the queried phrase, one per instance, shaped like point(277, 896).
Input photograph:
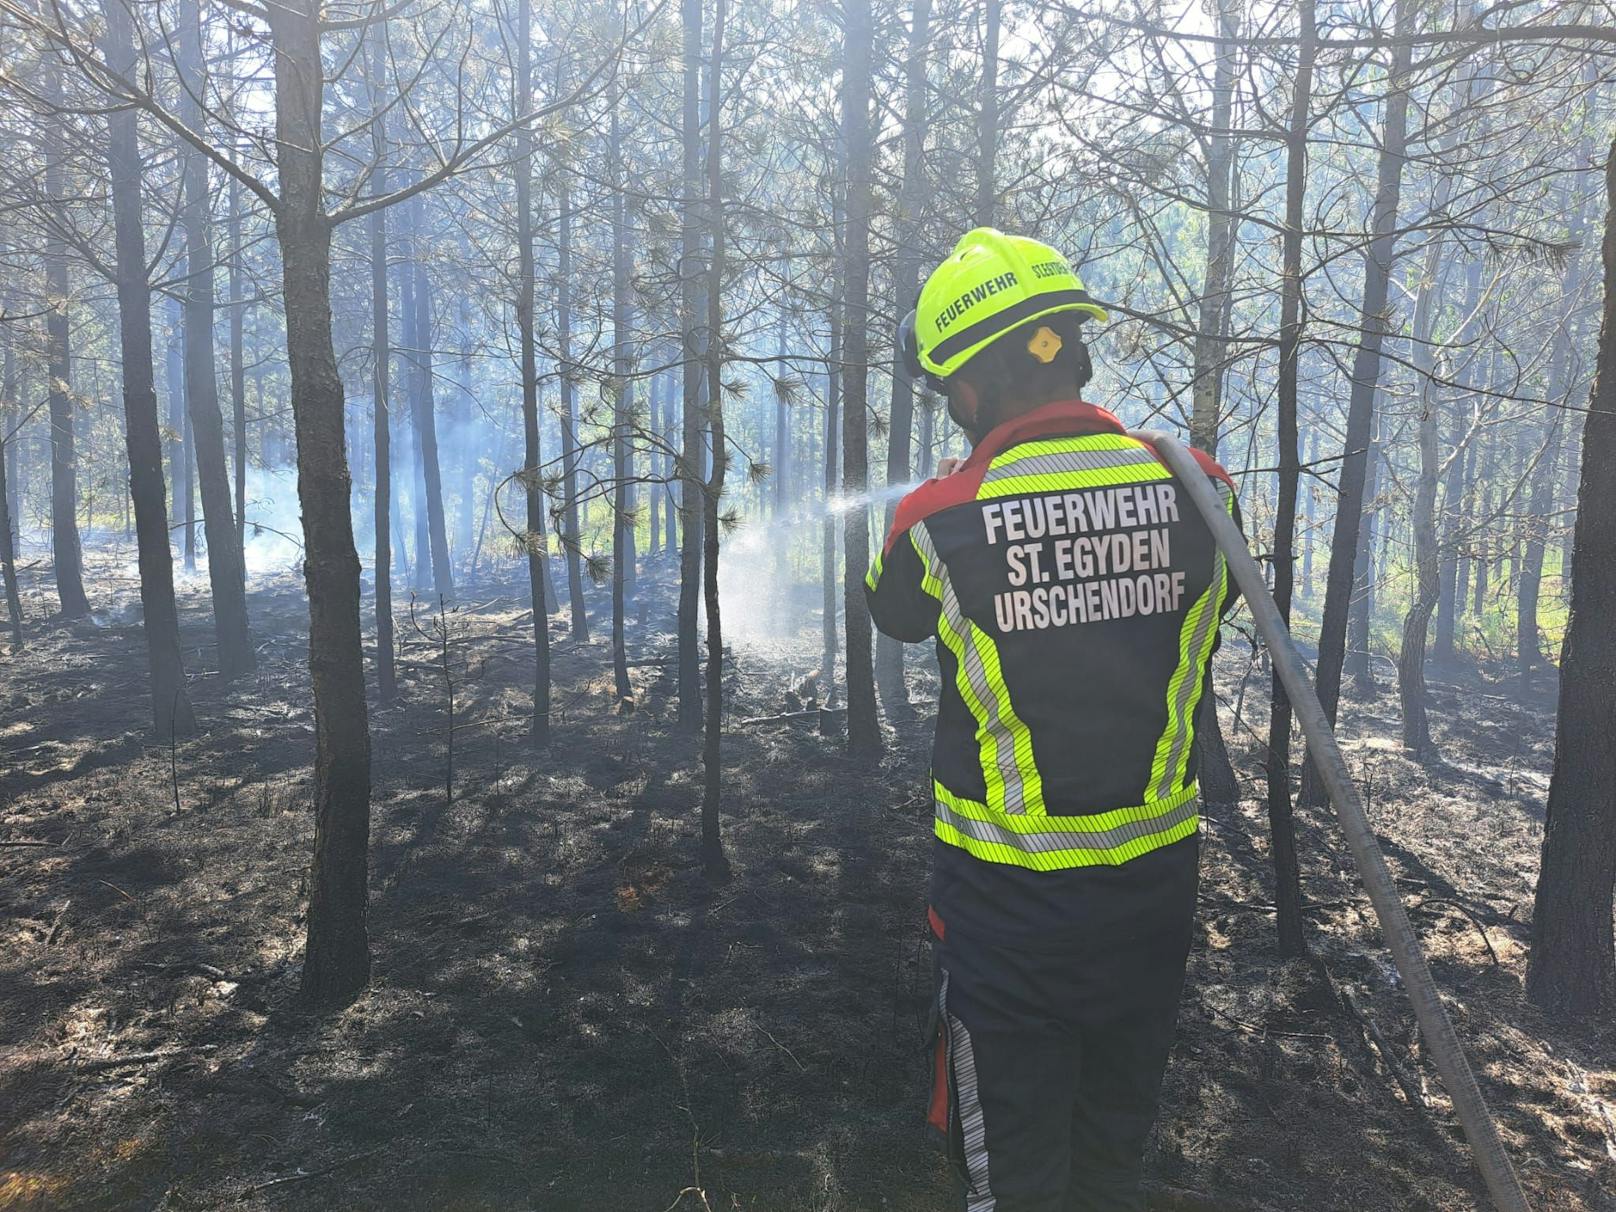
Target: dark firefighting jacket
point(1075, 597)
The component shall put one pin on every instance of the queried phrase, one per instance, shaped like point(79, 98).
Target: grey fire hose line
point(1478, 1124)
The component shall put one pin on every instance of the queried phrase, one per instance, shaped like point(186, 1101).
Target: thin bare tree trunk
point(1376, 318)
point(570, 536)
point(1219, 787)
point(833, 402)
point(692, 508)
point(238, 370)
point(714, 862)
point(381, 358)
point(863, 726)
point(905, 284)
point(66, 558)
point(170, 702)
point(226, 573)
point(537, 548)
point(622, 396)
point(987, 117)
point(1287, 879)
point(423, 402)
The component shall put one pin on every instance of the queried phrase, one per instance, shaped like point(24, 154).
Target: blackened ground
point(566, 1015)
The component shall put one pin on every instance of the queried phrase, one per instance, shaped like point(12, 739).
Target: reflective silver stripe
point(1068, 839)
point(987, 702)
point(962, 1059)
point(1068, 461)
point(1210, 618)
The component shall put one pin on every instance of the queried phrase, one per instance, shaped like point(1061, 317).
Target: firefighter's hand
point(947, 466)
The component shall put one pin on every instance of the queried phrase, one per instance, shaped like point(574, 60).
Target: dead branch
point(305, 1175)
point(812, 713)
point(1378, 1043)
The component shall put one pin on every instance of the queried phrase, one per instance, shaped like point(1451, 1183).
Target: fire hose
point(1445, 1050)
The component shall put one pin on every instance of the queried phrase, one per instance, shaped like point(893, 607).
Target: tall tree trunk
point(863, 727)
point(424, 407)
point(381, 359)
point(1219, 787)
point(1356, 666)
point(533, 494)
point(178, 447)
point(905, 284)
point(170, 702)
point(622, 394)
point(1427, 574)
point(1287, 880)
point(336, 962)
point(670, 470)
point(1375, 311)
point(691, 506)
point(1206, 382)
point(1573, 961)
point(465, 419)
point(1545, 477)
point(833, 401)
point(226, 574)
point(712, 844)
point(66, 558)
point(653, 498)
point(1442, 647)
point(187, 445)
point(8, 502)
point(571, 536)
point(238, 370)
point(987, 117)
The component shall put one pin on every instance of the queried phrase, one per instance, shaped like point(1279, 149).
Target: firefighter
point(1075, 597)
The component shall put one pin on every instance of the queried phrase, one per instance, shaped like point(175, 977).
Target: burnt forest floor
point(564, 1014)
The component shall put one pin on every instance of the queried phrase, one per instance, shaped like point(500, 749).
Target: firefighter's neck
point(992, 409)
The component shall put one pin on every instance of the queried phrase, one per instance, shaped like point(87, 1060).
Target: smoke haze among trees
point(507, 389)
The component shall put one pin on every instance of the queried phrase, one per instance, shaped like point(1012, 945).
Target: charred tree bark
point(570, 536)
point(423, 406)
point(863, 726)
point(692, 508)
point(905, 284)
point(1545, 477)
point(1573, 961)
point(622, 396)
point(1219, 787)
point(226, 573)
point(533, 493)
point(8, 531)
point(987, 117)
point(1356, 667)
point(336, 962)
point(1355, 456)
point(1207, 381)
point(1287, 879)
point(714, 862)
point(66, 557)
point(171, 703)
point(238, 369)
point(833, 403)
point(381, 369)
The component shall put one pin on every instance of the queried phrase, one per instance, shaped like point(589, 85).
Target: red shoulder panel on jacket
point(934, 496)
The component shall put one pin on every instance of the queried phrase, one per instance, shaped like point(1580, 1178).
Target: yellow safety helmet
point(990, 283)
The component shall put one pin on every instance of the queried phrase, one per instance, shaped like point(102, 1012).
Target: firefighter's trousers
point(1048, 1063)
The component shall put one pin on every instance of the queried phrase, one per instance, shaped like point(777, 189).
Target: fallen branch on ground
point(305, 1175)
point(812, 713)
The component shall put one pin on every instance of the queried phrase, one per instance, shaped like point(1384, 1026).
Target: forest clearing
point(1000, 605)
